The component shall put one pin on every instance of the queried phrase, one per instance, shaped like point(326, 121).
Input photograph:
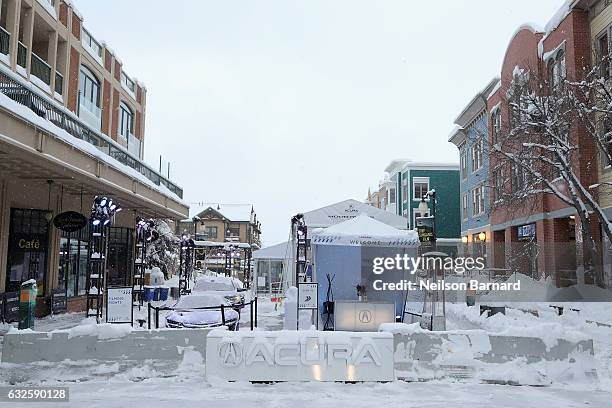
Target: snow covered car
point(221, 286)
point(187, 314)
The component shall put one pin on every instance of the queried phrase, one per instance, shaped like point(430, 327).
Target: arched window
point(126, 120)
point(89, 88)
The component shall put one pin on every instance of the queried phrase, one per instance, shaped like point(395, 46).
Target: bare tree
point(539, 150)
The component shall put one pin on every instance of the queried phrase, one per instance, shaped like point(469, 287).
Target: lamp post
point(195, 220)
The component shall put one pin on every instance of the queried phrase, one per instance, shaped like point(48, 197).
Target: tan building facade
point(71, 128)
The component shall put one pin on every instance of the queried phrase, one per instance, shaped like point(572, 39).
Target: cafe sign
point(70, 221)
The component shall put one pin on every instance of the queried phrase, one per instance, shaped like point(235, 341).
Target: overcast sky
point(293, 105)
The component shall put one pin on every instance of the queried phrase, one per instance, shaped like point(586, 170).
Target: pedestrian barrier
point(422, 355)
point(104, 342)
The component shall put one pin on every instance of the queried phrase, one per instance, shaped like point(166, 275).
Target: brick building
point(540, 233)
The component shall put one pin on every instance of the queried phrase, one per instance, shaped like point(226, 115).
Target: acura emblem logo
point(230, 353)
point(365, 316)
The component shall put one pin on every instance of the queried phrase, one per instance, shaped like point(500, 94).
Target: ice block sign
point(119, 305)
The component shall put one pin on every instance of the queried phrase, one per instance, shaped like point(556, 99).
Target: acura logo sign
point(230, 353)
point(365, 316)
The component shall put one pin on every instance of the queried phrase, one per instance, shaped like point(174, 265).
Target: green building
point(411, 181)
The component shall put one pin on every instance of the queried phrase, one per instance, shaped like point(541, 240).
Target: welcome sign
point(299, 356)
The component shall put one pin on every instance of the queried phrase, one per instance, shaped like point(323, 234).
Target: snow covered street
point(196, 392)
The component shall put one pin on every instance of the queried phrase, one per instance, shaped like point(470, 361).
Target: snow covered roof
point(233, 212)
point(278, 251)
point(476, 105)
point(363, 230)
point(345, 210)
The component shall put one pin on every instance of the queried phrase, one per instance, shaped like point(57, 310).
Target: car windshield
point(213, 286)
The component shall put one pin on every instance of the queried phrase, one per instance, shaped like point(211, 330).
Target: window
point(405, 190)
point(496, 126)
point(391, 196)
point(89, 89)
point(478, 200)
point(518, 180)
point(556, 70)
point(497, 183)
point(477, 155)
point(420, 187)
point(603, 51)
point(209, 232)
point(126, 120)
point(606, 139)
point(233, 231)
point(463, 159)
point(464, 206)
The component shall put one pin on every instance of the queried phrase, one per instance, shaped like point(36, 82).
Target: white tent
point(345, 210)
point(363, 230)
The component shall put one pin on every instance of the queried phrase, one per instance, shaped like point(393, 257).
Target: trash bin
point(156, 291)
point(149, 293)
point(27, 304)
point(163, 293)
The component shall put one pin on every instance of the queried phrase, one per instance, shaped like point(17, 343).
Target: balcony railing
point(43, 107)
point(5, 39)
point(41, 69)
point(91, 43)
point(127, 82)
point(22, 52)
point(59, 83)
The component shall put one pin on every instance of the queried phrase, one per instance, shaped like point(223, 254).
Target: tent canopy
point(278, 251)
point(348, 209)
point(364, 230)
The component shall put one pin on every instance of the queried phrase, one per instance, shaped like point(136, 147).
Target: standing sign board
point(11, 307)
point(415, 302)
point(119, 305)
point(59, 302)
point(308, 295)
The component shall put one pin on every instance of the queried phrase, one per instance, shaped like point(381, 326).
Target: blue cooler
point(156, 291)
point(163, 293)
point(149, 293)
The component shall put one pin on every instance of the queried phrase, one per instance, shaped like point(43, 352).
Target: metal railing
point(5, 39)
point(91, 43)
point(22, 52)
point(127, 81)
point(222, 308)
point(43, 107)
point(59, 83)
point(40, 69)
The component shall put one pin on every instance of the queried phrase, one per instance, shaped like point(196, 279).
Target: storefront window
point(27, 249)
